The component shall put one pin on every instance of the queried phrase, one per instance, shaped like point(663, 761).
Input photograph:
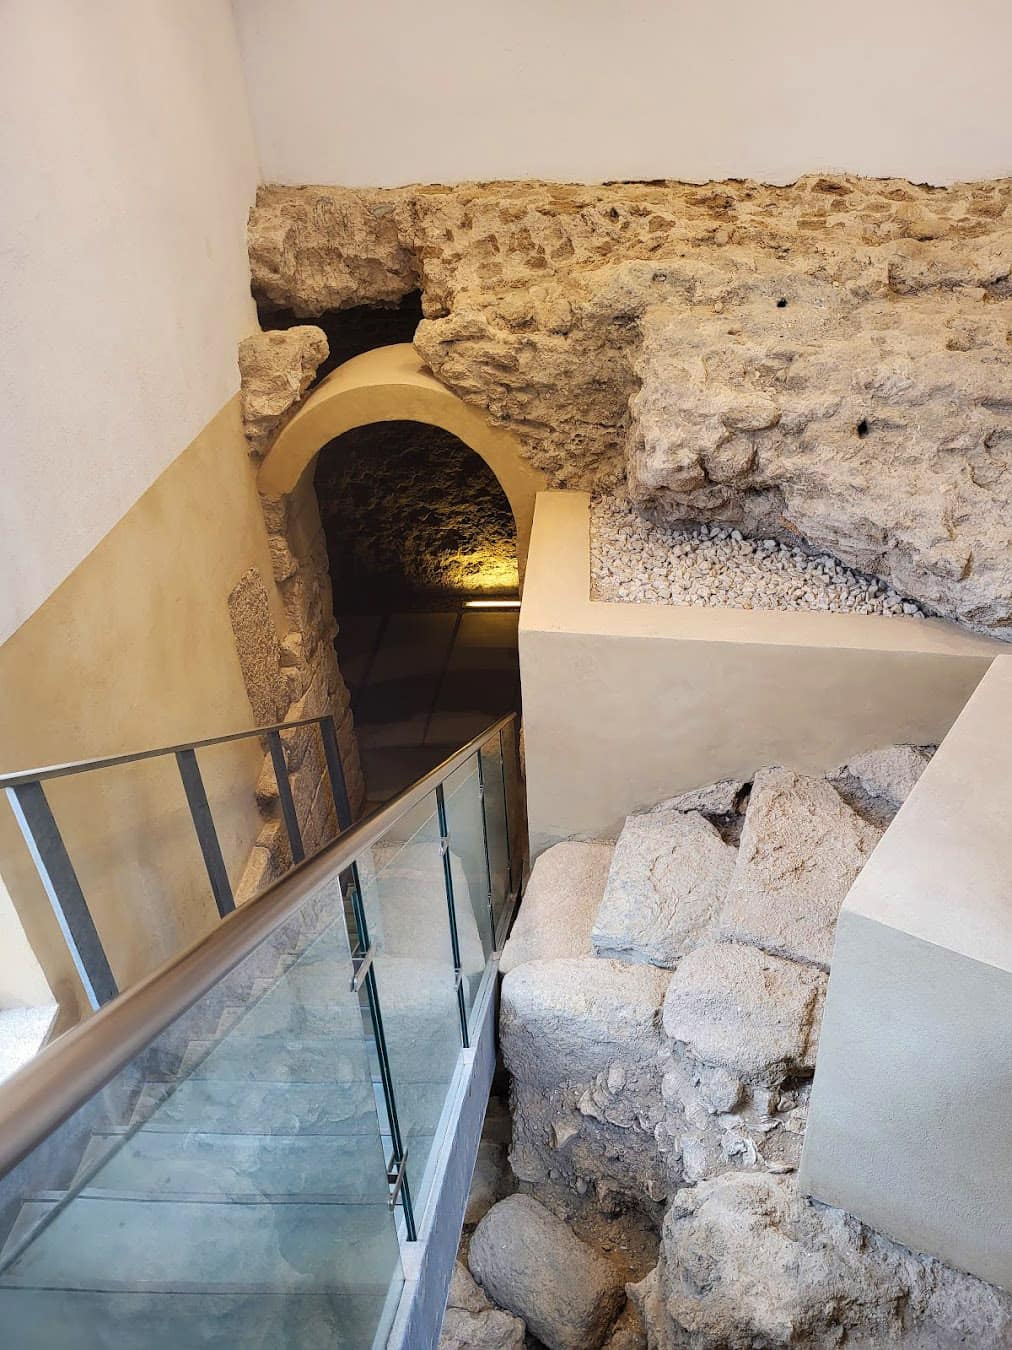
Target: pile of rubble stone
point(660, 1020)
point(638, 561)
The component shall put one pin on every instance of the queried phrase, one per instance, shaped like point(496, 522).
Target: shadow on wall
point(350, 332)
point(418, 529)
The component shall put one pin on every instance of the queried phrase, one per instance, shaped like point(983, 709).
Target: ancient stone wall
point(827, 363)
point(661, 1011)
point(296, 677)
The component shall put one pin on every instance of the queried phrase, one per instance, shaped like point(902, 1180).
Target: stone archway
point(392, 384)
point(386, 384)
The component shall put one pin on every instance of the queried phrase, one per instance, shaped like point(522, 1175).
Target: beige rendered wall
point(400, 92)
point(909, 1120)
point(135, 649)
point(128, 166)
point(626, 704)
point(22, 980)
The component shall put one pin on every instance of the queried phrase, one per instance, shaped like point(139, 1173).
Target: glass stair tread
point(346, 1168)
point(258, 1108)
point(314, 1009)
point(58, 1319)
point(192, 1246)
point(277, 1059)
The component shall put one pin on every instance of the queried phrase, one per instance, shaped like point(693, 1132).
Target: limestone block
point(528, 1261)
point(857, 427)
point(276, 368)
point(487, 1330)
point(283, 561)
point(270, 858)
point(276, 513)
point(716, 799)
point(890, 773)
point(801, 848)
point(464, 1292)
point(745, 1261)
point(472, 1323)
point(740, 1009)
point(292, 653)
point(259, 650)
point(267, 787)
point(256, 876)
point(568, 1020)
point(667, 883)
point(314, 250)
point(560, 904)
point(323, 817)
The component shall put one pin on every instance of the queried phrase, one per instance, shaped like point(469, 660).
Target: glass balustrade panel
point(469, 875)
point(405, 902)
point(497, 830)
point(229, 1187)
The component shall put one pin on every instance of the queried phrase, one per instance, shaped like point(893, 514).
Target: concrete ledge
point(625, 704)
point(909, 1126)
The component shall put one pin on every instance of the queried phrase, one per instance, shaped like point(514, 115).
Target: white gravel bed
point(635, 561)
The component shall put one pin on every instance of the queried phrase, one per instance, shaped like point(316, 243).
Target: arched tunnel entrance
point(401, 512)
point(422, 548)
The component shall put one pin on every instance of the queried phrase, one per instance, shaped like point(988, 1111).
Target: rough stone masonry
point(660, 1025)
point(826, 364)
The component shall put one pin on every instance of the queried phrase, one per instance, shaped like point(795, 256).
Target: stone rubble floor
point(633, 560)
point(659, 1022)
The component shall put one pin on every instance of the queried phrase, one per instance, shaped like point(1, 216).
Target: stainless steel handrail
point(47, 1091)
point(9, 780)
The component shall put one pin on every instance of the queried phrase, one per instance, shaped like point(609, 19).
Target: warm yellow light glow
point(491, 604)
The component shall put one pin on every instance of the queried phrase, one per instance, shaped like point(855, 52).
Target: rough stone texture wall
point(297, 677)
point(410, 507)
point(275, 370)
point(671, 1086)
point(301, 674)
point(258, 647)
point(827, 362)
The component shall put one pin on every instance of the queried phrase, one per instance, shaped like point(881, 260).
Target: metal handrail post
point(451, 908)
point(364, 957)
point(52, 862)
point(284, 785)
point(335, 771)
point(207, 835)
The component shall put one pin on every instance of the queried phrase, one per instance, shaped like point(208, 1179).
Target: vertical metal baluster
point(52, 861)
point(488, 860)
point(285, 794)
point(386, 1078)
point(444, 843)
point(335, 770)
point(207, 836)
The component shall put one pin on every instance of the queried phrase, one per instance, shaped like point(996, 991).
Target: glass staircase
point(239, 1151)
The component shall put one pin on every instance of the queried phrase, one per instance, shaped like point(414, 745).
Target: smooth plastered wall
point(627, 704)
point(400, 93)
point(908, 1127)
point(129, 167)
point(135, 649)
